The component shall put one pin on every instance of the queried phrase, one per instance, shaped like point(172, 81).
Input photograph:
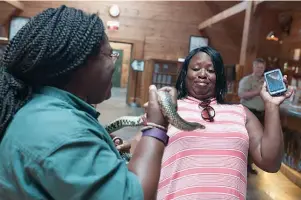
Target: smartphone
point(274, 81)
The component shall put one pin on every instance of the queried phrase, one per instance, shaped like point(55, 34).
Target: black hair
point(217, 61)
point(45, 52)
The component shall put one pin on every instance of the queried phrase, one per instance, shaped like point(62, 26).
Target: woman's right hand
point(152, 108)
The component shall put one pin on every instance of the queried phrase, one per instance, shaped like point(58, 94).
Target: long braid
point(44, 52)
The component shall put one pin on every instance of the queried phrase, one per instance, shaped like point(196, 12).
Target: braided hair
point(217, 61)
point(45, 52)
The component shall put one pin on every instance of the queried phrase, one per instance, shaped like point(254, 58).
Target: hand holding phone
point(275, 90)
point(274, 82)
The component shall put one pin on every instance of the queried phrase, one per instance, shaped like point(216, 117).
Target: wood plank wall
point(161, 30)
point(157, 29)
point(163, 27)
point(293, 40)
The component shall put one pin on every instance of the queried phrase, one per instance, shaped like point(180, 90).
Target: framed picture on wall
point(197, 41)
point(16, 24)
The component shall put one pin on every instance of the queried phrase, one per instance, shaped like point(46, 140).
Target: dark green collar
point(71, 99)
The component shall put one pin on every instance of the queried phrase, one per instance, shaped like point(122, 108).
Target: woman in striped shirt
point(211, 163)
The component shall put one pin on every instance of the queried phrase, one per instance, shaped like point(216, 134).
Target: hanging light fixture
point(271, 36)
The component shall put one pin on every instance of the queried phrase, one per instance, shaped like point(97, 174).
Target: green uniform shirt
point(55, 148)
point(250, 83)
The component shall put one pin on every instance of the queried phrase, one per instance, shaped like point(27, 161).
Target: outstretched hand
point(172, 91)
point(276, 100)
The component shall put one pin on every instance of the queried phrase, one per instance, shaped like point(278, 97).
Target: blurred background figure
point(249, 93)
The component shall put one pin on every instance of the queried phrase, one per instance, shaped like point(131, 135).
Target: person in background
point(211, 163)
point(51, 143)
point(249, 92)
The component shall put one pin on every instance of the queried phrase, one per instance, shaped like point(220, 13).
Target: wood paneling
point(293, 40)
point(5, 9)
point(269, 23)
point(164, 27)
point(16, 4)
point(240, 7)
point(161, 30)
point(225, 36)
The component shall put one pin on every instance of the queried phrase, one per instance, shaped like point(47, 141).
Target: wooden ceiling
point(219, 6)
point(274, 5)
point(235, 23)
point(284, 5)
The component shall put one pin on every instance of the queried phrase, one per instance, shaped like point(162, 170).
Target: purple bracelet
point(158, 134)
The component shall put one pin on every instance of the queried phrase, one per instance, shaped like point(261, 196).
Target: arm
point(147, 157)
point(135, 141)
point(244, 89)
point(146, 164)
point(266, 145)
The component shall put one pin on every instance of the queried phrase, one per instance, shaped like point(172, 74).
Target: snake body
point(168, 109)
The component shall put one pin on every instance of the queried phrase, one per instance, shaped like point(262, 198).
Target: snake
point(169, 111)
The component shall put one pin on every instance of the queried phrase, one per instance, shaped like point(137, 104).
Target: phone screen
point(274, 81)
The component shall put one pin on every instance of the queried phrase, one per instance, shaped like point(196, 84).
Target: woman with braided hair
point(51, 144)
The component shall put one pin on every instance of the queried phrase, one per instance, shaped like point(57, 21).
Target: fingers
point(166, 88)
point(152, 94)
point(124, 147)
point(264, 86)
point(284, 78)
point(172, 91)
point(289, 92)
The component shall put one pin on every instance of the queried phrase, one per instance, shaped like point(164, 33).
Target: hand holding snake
point(161, 110)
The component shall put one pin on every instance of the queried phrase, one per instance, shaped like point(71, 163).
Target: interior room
point(153, 38)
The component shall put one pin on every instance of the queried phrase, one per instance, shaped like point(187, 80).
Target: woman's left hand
point(275, 100)
point(124, 147)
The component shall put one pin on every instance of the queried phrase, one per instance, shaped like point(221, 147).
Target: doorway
point(122, 65)
point(116, 79)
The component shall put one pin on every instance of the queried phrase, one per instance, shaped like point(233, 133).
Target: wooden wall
point(269, 48)
point(158, 30)
point(284, 50)
point(163, 27)
point(293, 40)
point(225, 36)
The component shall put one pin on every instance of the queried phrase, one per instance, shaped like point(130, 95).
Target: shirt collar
point(191, 99)
point(73, 100)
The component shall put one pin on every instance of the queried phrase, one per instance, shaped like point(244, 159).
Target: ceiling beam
point(231, 34)
point(228, 13)
point(17, 4)
point(245, 34)
point(224, 15)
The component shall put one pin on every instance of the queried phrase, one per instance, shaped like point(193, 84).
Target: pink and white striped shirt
point(208, 163)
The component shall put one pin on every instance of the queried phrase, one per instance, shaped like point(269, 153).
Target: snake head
point(201, 126)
